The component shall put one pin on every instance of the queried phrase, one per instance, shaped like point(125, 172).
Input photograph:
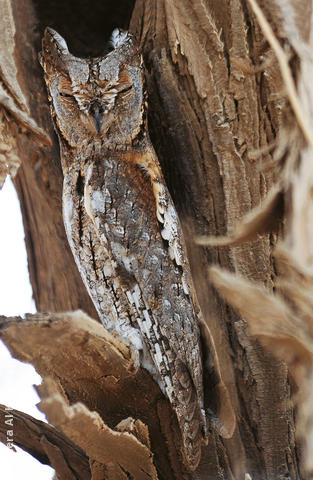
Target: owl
point(121, 223)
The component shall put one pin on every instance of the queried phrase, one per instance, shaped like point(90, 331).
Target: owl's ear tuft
point(51, 37)
point(119, 37)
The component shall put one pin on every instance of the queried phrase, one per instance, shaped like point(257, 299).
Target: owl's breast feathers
point(132, 214)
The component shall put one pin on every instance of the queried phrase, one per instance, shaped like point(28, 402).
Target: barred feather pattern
point(121, 223)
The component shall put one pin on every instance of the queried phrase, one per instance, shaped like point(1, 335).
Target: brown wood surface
point(217, 104)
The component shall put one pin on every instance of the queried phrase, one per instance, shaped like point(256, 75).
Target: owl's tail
point(191, 417)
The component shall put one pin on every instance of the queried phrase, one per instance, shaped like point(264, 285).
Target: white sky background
point(16, 378)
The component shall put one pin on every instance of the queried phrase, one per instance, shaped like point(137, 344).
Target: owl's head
point(95, 99)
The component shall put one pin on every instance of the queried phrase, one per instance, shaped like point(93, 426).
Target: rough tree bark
point(230, 131)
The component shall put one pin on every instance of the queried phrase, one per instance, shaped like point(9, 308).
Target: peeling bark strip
point(49, 445)
point(226, 136)
point(283, 322)
point(14, 110)
point(92, 387)
point(114, 450)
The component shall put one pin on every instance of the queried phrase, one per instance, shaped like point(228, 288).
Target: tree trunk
point(217, 109)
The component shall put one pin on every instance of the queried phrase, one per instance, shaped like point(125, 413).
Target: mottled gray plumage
point(121, 222)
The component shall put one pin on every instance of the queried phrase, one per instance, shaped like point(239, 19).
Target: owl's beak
point(97, 118)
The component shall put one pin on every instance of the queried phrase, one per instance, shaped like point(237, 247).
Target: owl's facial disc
point(95, 99)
